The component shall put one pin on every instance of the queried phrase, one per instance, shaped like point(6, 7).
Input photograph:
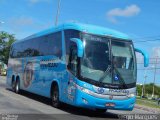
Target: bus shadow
point(69, 108)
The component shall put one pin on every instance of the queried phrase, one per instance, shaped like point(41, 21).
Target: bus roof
point(88, 28)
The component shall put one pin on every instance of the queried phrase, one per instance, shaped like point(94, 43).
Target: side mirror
point(80, 48)
point(145, 55)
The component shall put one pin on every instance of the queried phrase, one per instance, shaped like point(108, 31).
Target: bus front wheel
point(55, 97)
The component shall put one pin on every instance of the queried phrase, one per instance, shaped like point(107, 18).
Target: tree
point(139, 90)
point(148, 89)
point(6, 40)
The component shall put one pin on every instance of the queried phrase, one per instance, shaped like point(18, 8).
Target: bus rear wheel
point(17, 85)
point(55, 97)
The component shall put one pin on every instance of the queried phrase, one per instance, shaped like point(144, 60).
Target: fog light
point(85, 101)
point(110, 105)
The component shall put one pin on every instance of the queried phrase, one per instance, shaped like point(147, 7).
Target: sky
point(140, 19)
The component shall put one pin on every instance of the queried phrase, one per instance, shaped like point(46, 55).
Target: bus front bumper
point(88, 101)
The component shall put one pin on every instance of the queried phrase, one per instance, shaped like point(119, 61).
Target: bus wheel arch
point(54, 93)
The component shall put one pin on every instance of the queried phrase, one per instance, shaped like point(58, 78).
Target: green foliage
point(139, 90)
point(149, 89)
point(6, 40)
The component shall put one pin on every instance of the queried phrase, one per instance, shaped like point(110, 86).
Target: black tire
point(17, 87)
point(55, 97)
point(13, 85)
point(101, 111)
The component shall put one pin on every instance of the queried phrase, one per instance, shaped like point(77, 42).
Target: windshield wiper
point(105, 74)
point(121, 79)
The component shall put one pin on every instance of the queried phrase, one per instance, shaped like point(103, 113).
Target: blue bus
point(79, 64)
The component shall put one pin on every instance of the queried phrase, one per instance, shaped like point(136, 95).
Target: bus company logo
point(100, 90)
point(49, 63)
point(119, 91)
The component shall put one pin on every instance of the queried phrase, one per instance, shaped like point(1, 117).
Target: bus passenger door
point(72, 67)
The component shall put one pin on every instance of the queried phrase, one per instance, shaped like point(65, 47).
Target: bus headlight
point(84, 90)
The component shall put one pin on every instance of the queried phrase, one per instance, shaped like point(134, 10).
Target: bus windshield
point(124, 67)
point(107, 60)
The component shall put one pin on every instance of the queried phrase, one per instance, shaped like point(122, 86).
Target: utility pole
point(154, 76)
point(58, 11)
point(145, 77)
point(143, 88)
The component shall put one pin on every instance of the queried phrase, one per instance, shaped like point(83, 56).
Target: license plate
point(110, 104)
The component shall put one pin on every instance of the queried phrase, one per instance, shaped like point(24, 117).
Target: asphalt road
point(27, 106)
